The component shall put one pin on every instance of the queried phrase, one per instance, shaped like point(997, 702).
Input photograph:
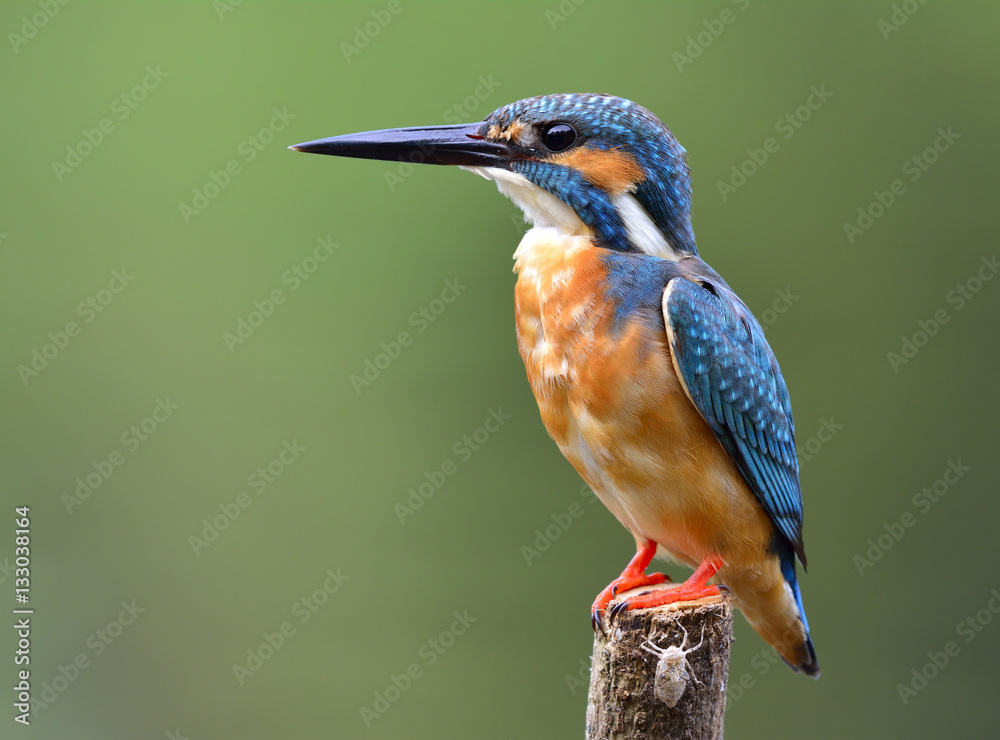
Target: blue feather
point(609, 122)
point(753, 422)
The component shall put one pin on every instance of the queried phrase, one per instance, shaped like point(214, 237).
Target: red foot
point(633, 576)
point(694, 588)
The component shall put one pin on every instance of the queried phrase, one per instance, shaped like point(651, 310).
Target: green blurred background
point(185, 89)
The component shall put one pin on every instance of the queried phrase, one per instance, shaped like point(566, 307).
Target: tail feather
point(808, 663)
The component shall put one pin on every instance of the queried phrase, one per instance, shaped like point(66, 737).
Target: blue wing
point(734, 381)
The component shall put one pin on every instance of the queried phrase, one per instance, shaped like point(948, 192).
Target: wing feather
point(733, 379)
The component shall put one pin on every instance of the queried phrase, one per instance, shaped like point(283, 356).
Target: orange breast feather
point(609, 397)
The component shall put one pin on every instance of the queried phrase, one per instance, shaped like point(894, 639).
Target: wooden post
point(623, 702)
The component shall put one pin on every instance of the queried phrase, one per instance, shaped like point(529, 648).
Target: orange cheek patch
point(611, 170)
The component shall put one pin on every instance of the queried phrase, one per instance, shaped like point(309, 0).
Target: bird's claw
point(597, 617)
point(625, 582)
point(597, 622)
point(617, 609)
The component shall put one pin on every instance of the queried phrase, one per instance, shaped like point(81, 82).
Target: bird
point(651, 375)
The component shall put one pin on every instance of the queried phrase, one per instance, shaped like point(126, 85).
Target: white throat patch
point(540, 207)
point(543, 209)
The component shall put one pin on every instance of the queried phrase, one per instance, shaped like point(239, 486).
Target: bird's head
point(586, 164)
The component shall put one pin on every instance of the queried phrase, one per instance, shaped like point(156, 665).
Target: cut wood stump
point(623, 703)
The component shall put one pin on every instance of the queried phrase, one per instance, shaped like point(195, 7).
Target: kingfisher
point(653, 378)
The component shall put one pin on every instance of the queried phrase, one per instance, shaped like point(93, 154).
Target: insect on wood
point(673, 670)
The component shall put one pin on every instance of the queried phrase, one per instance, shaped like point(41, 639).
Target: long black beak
point(456, 145)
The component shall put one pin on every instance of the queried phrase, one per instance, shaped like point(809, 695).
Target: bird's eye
point(558, 137)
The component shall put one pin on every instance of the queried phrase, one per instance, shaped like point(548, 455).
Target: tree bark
point(623, 703)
